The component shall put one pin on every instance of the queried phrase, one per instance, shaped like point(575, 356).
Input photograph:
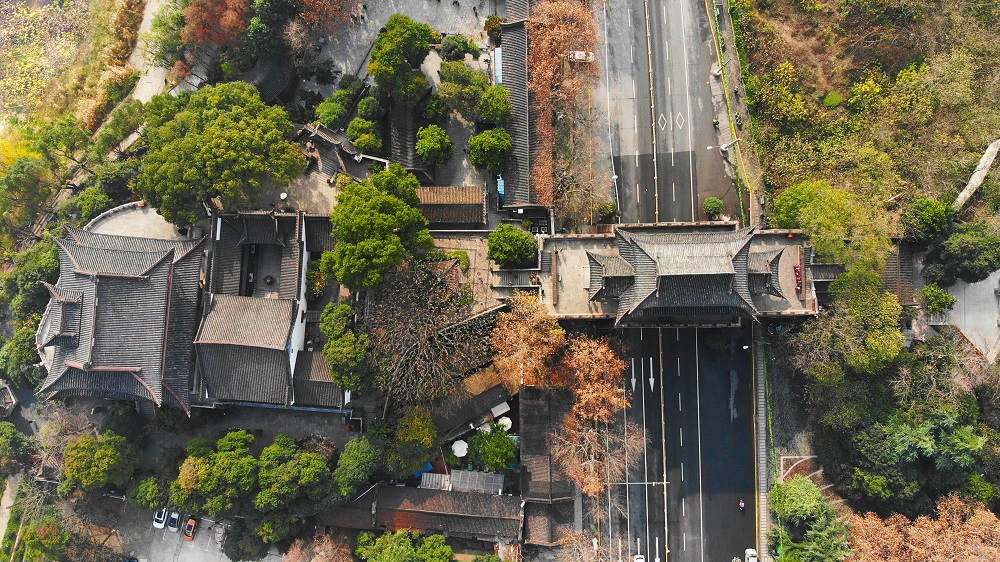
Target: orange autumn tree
point(526, 341)
point(963, 530)
point(596, 374)
point(555, 28)
point(218, 22)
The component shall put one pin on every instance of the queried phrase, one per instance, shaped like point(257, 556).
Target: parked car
point(160, 518)
point(750, 555)
point(190, 529)
point(173, 523)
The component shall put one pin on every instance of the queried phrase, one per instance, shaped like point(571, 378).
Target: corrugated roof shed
point(453, 204)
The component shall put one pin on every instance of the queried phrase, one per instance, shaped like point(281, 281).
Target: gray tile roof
point(542, 411)
point(247, 321)
point(677, 275)
point(517, 172)
point(403, 137)
point(242, 349)
point(453, 204)
point(232, 236)
point(764, 272)
point(122, 318)
point(464, 514)
point(312, 383)
point(318, 233)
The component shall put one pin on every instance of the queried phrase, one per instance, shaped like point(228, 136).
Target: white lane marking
point(678, 366)
point(673, 190)
point(645, 454)
point(628, 508)
point(687, 94)
point(681, 430)
point(682, 507)
point(682, 472)
point(633, 89)
point(685, 541)
point(637, 189)
point(679, 409)
point(677, 331)
point(664, 10)
point(701, 493)
point(637, 158)
point(630, 17)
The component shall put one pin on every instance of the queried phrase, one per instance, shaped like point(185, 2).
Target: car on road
point(173, 523)
point(190, 529)
point(750, 555)
point(160, 518)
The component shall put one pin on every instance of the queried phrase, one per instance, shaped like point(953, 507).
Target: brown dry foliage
point(321, 549)
point(526, 341)
point(555, 28)
point(596, 454)
point(221, 22)
point(596, 374)
point(963, 530)
point(326, 14)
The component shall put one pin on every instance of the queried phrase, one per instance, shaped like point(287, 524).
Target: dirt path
point(152, 79)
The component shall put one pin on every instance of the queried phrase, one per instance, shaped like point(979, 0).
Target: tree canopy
point(488, 150)
point(971, 253)
point(510, 246)
point(403, 546)
point(376, 228)
point(16, 448)
point(925, 219)
point(455, 47)
point(345, 351)
point(360, 460)
point(492, 448)
point(95, 462)
point(414, 443)
point(398, 51)
point(224, 142)
point(434, 146)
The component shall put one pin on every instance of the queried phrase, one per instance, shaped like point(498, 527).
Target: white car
point(160, 518)
point(750, 555)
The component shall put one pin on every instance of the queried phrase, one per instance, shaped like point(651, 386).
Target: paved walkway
point(977, 313)
point(7, 501)
point(152, 79)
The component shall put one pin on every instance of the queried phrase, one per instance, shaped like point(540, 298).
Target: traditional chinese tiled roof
point(764, 272)
point(242, 349)
point(122, 318)
point(312, 383)
point(235, 234)
point(463, 514)
point(676, 275)
point(453, 204)
point(318, 233)
point(517, 171)
point(542, 412)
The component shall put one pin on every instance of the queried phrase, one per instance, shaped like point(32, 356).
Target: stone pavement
point(7, 501)
point(977, 313)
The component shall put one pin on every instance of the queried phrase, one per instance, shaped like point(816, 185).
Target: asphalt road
point(697, 413)
point(664, 145)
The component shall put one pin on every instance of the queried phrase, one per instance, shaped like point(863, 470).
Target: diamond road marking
point(680, 120)
point(662, 121)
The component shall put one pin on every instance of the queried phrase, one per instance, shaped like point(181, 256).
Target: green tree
point(462, 88)
point(18, 358)
point(91, 202)
point(375, 230)
point(488, 150)
point(16, 448)
point(344, 350)
point(294, 480)
point(95, 462)
point(64, 141)
point(455, 47)
point(225, 142)
point(164, 43)
point(925, 219)
point(495, 105)
point(434, 146)
point(22, 286)
point(433, 549)
point(713, 207)
point(510, 246)
point(798, 501)
point(370, 108)
point(46, 539)
point(971, 253)
point(359, 126)
point(23, 189)
point(487, 557)
point(222, 483)
point(116, 177)
point(935, 299)
point(126, 119)
point(492, 448)
point(358, 463)
point(415, 440)
point(369, 142)
point(390, 547)
point(398, 50)
point(331, 110)
point(492, 27)
point(149, 493)
point(434, 110)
